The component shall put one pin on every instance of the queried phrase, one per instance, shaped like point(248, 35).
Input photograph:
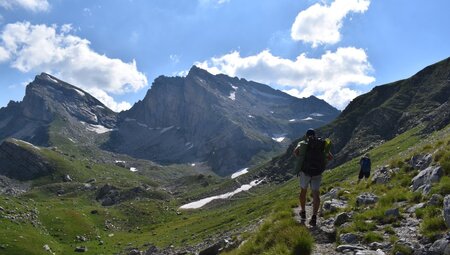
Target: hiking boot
point(303, 216)
point(313, 221)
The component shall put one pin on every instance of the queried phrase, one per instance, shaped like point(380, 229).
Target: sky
point(114, 49)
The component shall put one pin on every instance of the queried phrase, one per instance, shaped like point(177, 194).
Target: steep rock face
point(19, 161)
point(386, 111)
point(214, 118)
point(392, 109)
point(47, 99)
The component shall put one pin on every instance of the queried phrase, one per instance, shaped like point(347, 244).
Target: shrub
point(280, 234)
point(402, 249)
point(432, 227)
point(371, 237)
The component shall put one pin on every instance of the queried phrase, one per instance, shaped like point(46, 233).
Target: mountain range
point(223, 122)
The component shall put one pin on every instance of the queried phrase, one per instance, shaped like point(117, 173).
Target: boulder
point(349, 238)
point(370, 252)
point(421, 161)
point(447, 210)
point(366, 199)
point(423, 180)
point(333, 205)
point(341, 218)
point(348, 247)
point(81, 249)
point(383, 175)
point(436, 200)
point(394, 212)
point(439, 247)
point(413, 208)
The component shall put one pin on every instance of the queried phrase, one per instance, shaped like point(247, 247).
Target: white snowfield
point(133, 169)
point(278, 139)
point(81, 93)
point(308, 118)
point(99, 129)
point(202, 202)
point(239, 173)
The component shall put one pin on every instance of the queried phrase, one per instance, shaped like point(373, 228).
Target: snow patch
point(51, 79)
point(81, 93)
point(278, 139)
point(251, 116)
point(189, 145)
point(272, 112)
point(72, 140)
point(100, 107)
point(234, 87)
point(99, 129)
point(166, 129)
point(232, 96)
point(133, 169)
point(142, 124)
point(292, 120)
point(239, 173)
point(317, 114)
point(202, 202)
point(193, 164)
point(308, 118)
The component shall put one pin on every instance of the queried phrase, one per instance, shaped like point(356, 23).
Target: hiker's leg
point(315, 187)
point(316, 201)
point(304, 181)
point(303, 198)
point(360, 175)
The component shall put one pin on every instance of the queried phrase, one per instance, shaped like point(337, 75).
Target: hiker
point(364, 171)
point(312, 155)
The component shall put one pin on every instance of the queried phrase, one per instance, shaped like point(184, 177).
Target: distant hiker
point(365, 164)
point(312, 155)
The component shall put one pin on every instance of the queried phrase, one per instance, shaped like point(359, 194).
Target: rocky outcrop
point(366, 199)
point(109, 195)
point(216, 119)
point(48, 100)
point(423, 181)
point(447, 210)
point(21, 161)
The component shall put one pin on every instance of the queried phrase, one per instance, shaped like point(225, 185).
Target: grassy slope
point(134, 223)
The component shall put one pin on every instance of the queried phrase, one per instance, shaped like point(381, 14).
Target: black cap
point(310, 132)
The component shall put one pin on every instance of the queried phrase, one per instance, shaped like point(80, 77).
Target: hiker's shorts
point(306, 180)
point(363, 174)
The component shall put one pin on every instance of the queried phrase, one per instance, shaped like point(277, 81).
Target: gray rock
point(447, 210)
point(439, 247)
point(349, 238)
point(436, 200)
point(341, 218)
point(332, 194)
point(134, 252)
point(421, 161)
point(333, 205)
point(67, 178)
point(47, 248)
point(425, 177)
point(366, 199)
point(394, 212)
point(370, 252)
point(413, 208)
point(81, 249)
point(382, 175)
point(344, 247)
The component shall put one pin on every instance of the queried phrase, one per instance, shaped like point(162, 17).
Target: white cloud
point(31, 5)
point(321, 24)
point(328, 77)
point(41, 48)
point(174, 58)
point(108, 100)
point(4, 54)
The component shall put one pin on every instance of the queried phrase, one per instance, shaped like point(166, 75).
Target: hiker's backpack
point(365, 165)
point(315, 159)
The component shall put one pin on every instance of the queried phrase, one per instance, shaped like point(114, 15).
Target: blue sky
point(335, 49)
